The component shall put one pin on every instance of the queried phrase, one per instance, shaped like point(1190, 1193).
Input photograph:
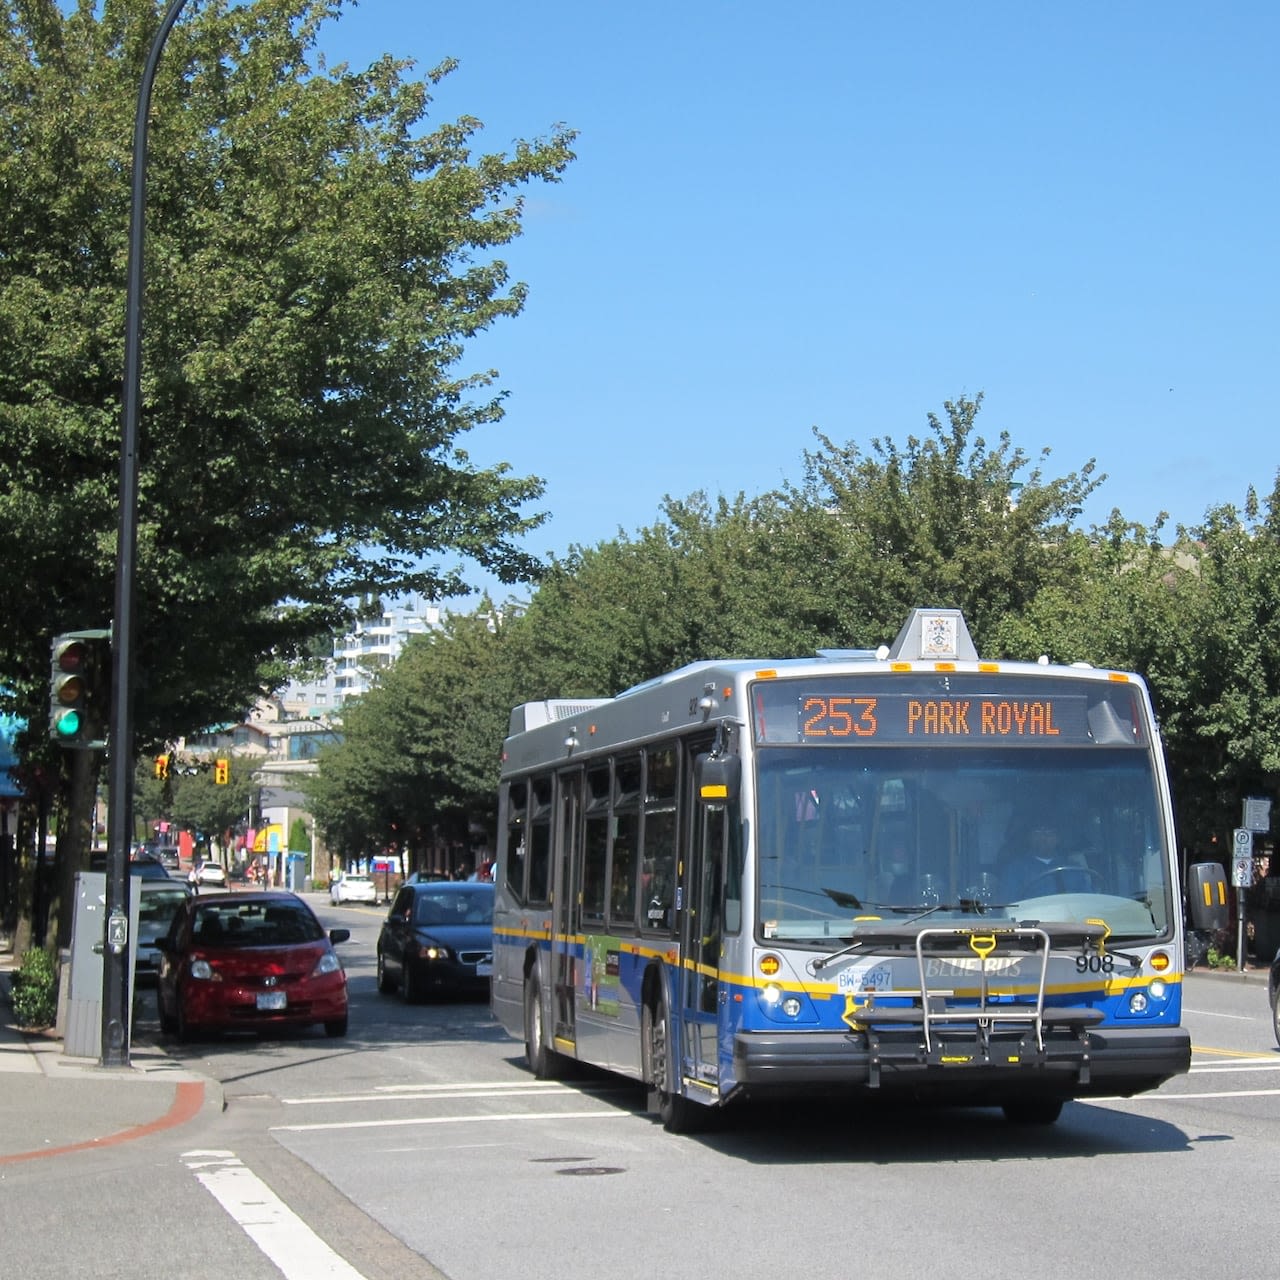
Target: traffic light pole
point(116, 952)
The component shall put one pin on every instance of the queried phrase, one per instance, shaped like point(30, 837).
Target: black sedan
point(437, 938)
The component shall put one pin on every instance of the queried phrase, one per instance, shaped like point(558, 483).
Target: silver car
point(158, 903)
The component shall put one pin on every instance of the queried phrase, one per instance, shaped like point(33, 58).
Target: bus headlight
point(791, 1007)
point(771, 993)
point(1138, 1002)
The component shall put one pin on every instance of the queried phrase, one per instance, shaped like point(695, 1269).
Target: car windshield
point(459, 907)
point(255, 924)
point(158, 907)
point(146, 869)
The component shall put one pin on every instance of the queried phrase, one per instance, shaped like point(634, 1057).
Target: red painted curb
point(188, 1098)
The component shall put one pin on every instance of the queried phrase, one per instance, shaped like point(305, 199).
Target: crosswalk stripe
point(299, 1253)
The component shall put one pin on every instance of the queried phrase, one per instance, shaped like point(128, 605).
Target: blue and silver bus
point(906, 869)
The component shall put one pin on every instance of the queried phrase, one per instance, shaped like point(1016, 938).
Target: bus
point(834, 875)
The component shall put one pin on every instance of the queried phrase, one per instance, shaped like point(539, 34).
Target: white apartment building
point(375, 643)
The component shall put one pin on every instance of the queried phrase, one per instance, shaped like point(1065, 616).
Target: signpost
point(1242, 878)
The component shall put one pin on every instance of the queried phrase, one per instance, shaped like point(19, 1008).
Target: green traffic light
point(68, 724)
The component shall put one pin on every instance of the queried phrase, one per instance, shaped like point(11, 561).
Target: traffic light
point(222, 772)
point(79, 691)
point(162, 767)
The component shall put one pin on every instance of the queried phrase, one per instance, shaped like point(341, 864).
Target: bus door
point(701, 936)
point(564, 905)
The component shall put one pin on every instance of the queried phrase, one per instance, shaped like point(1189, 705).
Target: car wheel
point(186, 1032)
point(336, 1027)
point(1275, 1013)
point(409, 985)
point(386, 983)
point(168, 1023)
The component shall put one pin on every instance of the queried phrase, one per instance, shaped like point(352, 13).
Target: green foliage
point(299, 837)
point(1224, 723)
point(192, 801)
point(839, 561)
point(34, 990)
point(318, 253)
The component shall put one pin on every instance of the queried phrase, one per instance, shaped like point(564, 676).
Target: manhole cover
point(590, 1170)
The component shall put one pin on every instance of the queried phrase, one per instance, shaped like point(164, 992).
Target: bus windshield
point(899, 833)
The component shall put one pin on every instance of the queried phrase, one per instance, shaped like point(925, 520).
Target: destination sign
point(840, 714)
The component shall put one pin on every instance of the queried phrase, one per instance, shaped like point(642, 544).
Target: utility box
point(80, 1018)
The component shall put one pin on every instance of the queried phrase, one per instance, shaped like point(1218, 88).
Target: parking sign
point(1242, 858)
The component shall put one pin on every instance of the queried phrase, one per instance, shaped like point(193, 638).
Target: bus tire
point(540, 1056)
point(1033, 1110)
point(677, 1113)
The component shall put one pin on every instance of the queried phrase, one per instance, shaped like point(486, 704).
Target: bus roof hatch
point(934, 635)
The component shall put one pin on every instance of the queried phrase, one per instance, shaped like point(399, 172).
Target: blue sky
point(842, 215)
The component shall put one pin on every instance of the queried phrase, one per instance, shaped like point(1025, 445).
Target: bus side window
point(658, 874)
point(596, 846)
point(540, 841)
point(625, 841)
point(517, 829)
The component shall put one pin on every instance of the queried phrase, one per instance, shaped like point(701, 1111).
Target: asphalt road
point(420, 1146)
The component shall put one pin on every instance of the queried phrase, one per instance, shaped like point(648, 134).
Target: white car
point(353, 888)
point(211, 873)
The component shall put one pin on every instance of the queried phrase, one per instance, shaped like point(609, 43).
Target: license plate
point(268, 1000)
point(484, 969)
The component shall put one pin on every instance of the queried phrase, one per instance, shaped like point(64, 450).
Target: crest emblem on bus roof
point(934, 634)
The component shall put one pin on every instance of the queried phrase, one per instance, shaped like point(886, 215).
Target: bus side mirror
point(1207, 896)
point(719, 778)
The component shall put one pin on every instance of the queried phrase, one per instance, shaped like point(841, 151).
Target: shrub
point(34, 990)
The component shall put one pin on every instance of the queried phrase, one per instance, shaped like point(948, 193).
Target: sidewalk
point(52, 1105)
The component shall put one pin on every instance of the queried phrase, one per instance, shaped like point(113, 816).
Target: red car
point(250, 962)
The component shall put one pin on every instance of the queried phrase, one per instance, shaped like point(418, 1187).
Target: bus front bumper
point(1102, 1060)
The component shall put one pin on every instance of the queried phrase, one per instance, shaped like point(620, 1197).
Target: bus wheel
point(678, 1114)
point(1033, 1110)
point(541, 1058)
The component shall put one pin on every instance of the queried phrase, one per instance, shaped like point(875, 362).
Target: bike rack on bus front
point(984, 1015)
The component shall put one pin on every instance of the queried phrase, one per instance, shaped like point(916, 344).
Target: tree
point(199, 804)
point(318, 254)
point(945, 520)
point(1223, 722)
point(317, 257)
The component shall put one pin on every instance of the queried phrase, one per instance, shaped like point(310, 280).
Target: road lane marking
point(1244, 1063)
point(291, 1245)
point(432, 1092)
point(1217, 1013)
point(481, 1119)
point(1186, 1097)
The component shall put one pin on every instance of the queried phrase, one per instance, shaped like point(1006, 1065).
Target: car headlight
point(204, 971)
point(433, 951)
point(328, 963)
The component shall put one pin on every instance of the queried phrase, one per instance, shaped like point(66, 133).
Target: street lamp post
point(115, 971)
